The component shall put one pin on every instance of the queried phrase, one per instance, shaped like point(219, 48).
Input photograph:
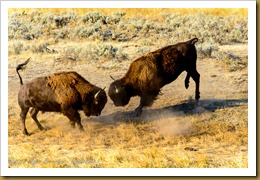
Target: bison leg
point(22, 118)
point(187, 80)
point(34, 113)
point(72, 123)
point(196, 77)
point(146, 100)
point(139, 110)
point(74, 117)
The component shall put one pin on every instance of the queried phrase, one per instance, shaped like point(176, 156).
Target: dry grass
point(205, 140)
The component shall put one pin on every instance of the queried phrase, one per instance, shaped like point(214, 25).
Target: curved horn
point(96, 95)
point(112, 78)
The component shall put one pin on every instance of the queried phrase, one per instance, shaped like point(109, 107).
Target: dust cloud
point(170, 122)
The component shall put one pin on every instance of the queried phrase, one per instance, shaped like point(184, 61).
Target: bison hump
point(64, 79)
point(143, 74)
point(63, 85)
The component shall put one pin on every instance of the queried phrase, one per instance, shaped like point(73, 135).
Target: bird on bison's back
point(65, 92)
point(149, 73)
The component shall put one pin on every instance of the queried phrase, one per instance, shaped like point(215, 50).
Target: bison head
point(97, 104)
point(118, 93)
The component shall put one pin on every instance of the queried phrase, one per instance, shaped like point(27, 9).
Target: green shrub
point(92, 17)
point(207, 49)
point(16, 47)
point(105, 50)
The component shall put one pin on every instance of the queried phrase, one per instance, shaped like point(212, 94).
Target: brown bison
point(65, 92)
point(149, 73)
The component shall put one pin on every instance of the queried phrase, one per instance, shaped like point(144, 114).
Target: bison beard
point(149, 73)
point(65, 92)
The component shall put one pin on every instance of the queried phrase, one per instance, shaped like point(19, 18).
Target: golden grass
point(133, 145)
point(150, 12)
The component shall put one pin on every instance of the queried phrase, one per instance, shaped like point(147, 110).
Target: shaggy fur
point(149, 73)
point(70, 87)
point(65, 92)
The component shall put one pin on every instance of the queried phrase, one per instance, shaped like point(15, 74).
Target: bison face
point(97, 104)
point(118, 93)
point(100, 100)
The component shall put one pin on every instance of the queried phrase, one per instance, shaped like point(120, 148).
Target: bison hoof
point(81, 128)
point(138, 111)
point(42, 128)
point(72, 125)
point(197, 97)
point(26, 133)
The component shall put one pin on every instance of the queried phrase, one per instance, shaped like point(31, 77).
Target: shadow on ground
point(184, 108)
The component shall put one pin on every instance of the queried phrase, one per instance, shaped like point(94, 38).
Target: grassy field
point(175, 132)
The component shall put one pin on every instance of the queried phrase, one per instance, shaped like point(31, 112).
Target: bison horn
point(116, 89)
point(96, 95)
point(112, 78)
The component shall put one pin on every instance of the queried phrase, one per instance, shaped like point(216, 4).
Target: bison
point(64, 92)
point(149, 73)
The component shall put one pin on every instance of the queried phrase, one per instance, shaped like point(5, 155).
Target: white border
point(250, 171)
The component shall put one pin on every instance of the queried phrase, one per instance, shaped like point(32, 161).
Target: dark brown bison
point(65, 92)
point(149, 73)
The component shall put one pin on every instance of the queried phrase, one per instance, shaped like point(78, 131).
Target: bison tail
point(21, 67)
point(193, 41)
